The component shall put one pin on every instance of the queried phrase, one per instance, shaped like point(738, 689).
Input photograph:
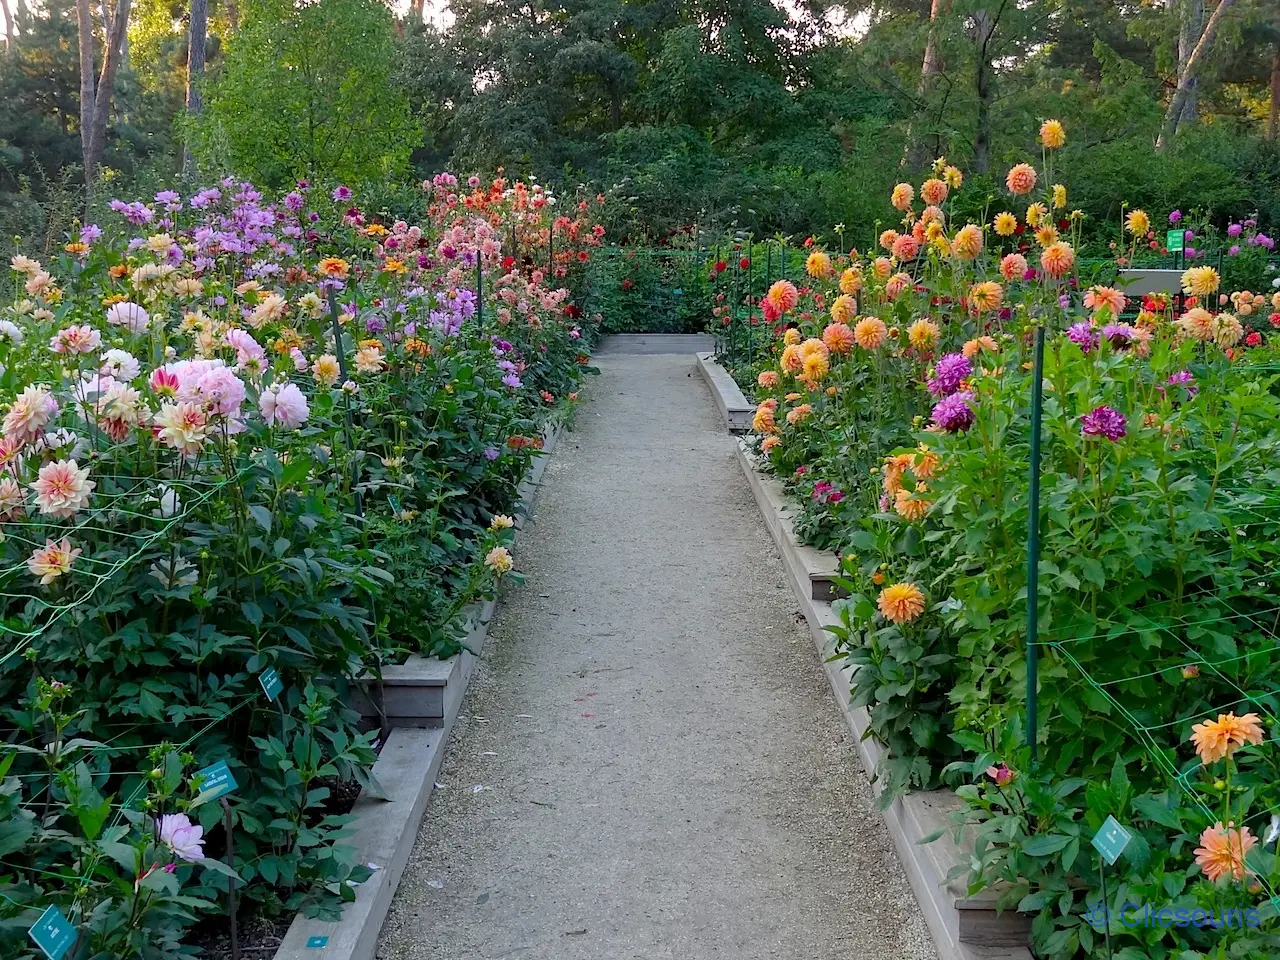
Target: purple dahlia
point(948, 374)
point(1103, 422)
point(954, 413)
point(1083, 335)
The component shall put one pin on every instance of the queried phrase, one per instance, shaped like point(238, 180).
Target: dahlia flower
point(967, 243)
point(183, 837)
point(63, 489)
point(1103, 422)
point(838, 336)
point(53, 560)
point(948, 374)
point(1200, 281)
point(499, 560)
point(128, 315)
point(1005, 224)
point(1013, 266)
point(953, 414)
point(284, 405)
point(1222, 851)
point(901, 602)
point(923, 334)
point(1218, 739)
point(1021, 179)
point(870, 333)
point(1052, 134)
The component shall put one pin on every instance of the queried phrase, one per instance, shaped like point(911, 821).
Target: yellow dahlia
point(1052, 134)
point(1047, 235)
point(792, 359)
point(791, 336)
point(1059, 196)
point(883, 267)
point(952, 177)
point(816, 367)
point(922, 334)
point(811, 346)
point(843, 309)
point(1005, 224)
point(1200, 281)
point(851, 281)
point(1137, 222)
point(818, 264)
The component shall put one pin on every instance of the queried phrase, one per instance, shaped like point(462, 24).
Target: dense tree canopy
point(761, 115)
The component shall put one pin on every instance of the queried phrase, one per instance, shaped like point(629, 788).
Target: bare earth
point(649, 763)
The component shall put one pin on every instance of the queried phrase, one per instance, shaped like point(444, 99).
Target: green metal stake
point(751, 336)
point(479, 294)
point(1033, 542)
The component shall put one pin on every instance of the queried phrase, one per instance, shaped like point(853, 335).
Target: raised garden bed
point(421, 700)
point(735, 410)
point(963, 927)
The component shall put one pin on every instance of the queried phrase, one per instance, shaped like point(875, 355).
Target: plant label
point(317, 943)
point(271, 683)
point(1173, 241)
point(218, 781)
point(53, 933)
point(1111, 840)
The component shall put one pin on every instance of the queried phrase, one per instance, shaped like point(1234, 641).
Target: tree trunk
point(1191, 23)
point(111, 56)
point(917, 153)
point(1273, 123)
point(1198, 56)
point(198, 34)
point(984, 27)
point(10, 28)
point(84, 26)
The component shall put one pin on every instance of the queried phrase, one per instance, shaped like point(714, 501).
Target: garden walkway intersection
point(649, 763)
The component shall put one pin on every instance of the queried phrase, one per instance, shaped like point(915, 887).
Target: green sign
point(53, 933)
point(217, 782)
point(271, 683)
point(1111, 840)
point(1173, 241)
point(317, 943)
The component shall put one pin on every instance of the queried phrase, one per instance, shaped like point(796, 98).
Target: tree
point(95, 106)
point(198, 34)
point(308, 91)
point(1188, 73)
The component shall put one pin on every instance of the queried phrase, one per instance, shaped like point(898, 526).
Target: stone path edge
point(735, 410)
point(384, 830)
point(911, 818)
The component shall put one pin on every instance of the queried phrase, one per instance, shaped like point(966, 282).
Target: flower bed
point(895, 403)
point(251, 452)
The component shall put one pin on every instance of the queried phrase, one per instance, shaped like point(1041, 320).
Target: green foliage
point(307, 92)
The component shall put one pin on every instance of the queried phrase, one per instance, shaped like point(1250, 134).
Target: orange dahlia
point(967, 243)
point(792, 335)
point(888, 238)
point(1222, 851)
point(783, 295)
point(986, 296)
point(1196, 324)
point(816, 367)
point(1058, 259)
point(933, 192)
point(883, 267)
point(851, 281)
point(870, 333)
point(906, 247)
point(843, 309)
point(903, 194)
point(1096, 298)
point(1021, 179)
point(768, 379)
point(896, 284)
point(838, 336)
point(1013, 266)
point(1218, 739)
point(792, 359)
point(901, 602)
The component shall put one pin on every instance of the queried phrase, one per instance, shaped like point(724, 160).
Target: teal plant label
point(218, 781)
point(317, 943)
point(1111, 840)
point(53, 933)
point(271, 683)
point(1173, 240)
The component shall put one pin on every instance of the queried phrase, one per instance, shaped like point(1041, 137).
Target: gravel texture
point(649, 763)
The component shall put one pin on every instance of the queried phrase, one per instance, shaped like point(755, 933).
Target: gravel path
point(664, 772)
